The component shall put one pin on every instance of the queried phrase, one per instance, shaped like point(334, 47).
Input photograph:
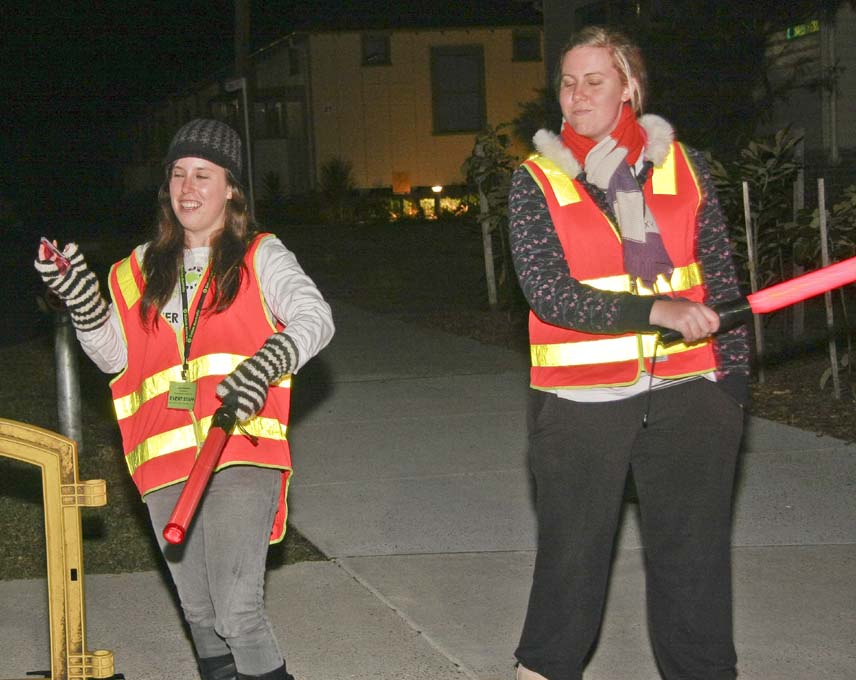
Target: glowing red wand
point(185, 507)
point(777, 296)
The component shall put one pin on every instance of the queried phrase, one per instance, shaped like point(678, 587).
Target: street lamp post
point(233, 85)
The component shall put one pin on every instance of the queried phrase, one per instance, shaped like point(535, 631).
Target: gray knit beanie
point(209, 139)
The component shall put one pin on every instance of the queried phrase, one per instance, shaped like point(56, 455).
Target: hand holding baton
point(775, 297)
point(185, 507)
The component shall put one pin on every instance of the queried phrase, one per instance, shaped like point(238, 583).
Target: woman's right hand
point(693, 320)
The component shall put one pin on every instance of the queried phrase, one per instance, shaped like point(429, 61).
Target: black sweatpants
point(683, 465)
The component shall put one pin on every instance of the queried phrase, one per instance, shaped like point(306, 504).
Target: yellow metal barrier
point(64, 494)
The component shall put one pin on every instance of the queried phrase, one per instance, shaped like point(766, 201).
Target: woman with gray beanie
point(208, 311)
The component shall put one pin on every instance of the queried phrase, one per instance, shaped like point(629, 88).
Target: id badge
point(182, 395)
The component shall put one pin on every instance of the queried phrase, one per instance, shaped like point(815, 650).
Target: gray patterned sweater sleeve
point(713, 250)
point(552, 292)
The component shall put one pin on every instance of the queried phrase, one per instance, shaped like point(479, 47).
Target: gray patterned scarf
point(645, 255)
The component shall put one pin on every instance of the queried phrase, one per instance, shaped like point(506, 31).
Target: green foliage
point(541, 112)
point(770, 168)
point(337, 190)
point(272, 191)
point(844, 366)
point(840, 227)
point(708, 64)
point(488, 170)
point(785, 245)
point(271, 204)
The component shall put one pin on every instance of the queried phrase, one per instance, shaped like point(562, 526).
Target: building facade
point(401, 106)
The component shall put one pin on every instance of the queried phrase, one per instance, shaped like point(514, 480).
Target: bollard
point(67, 378)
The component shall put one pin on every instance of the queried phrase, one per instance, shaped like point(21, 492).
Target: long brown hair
point(166, 252)
point(626, 57)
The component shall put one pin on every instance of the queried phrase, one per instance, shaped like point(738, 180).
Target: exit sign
point(800, 30)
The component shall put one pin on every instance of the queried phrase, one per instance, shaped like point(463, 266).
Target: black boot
point(218, 668)
point(276, 674)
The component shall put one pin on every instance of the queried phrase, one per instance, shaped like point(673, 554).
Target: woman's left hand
point(246, 387)
point(693, 320)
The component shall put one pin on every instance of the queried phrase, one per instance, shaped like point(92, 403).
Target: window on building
point(457, 88)
point(269, 119)
point(293, 61)
point(608, 12)
point(526, 46)
point(227, 110)
point(376, 49)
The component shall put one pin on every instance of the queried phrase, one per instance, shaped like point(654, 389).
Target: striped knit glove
point(246, 387)
point(77, 287)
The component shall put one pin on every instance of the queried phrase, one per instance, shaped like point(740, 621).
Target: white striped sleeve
point(294, 299)
point(106, 345)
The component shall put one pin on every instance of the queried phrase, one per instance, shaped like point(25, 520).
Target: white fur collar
point(660, 136)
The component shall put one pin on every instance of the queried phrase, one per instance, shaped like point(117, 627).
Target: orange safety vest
point(161, 444)
point(592, 245)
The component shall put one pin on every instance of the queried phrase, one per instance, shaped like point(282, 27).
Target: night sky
point(70, 75)
point(73, 72)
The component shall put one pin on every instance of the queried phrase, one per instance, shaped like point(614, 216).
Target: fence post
point(753, 280)
point(827, 296)
point(798, 320)
point(487, 244)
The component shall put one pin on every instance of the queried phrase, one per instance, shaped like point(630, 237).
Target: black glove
point(247, 386)
point(77, 287)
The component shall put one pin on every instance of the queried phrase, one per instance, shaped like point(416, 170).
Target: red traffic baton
point(185, 507)
point(777, 296)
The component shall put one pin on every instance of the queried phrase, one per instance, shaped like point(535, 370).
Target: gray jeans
point(219, 569)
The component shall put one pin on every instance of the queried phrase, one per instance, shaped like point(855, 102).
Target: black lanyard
point(189, 329)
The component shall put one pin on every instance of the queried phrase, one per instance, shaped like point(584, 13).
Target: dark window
point(526, 46)
point(227, 110)
point(376, 50)
point(269, 119)
point(293, 61)
point(608, 13)
point(457, 88)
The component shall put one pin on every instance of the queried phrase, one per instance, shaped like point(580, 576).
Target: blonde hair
point(626, 57)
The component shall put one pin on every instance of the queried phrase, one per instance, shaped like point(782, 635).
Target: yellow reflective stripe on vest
point(609, 350)
point(127, 283)
point(683, 278)
point(563, 186)
point(210, 364)
point(664, 179)
point(605, 351)
point(182, 438)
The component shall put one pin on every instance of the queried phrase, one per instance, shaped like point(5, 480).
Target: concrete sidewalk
point(409, 455)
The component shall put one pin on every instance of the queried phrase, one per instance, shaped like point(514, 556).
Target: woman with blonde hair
point(616, 232)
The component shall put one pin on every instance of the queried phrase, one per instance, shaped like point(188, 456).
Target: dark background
point(73, 72)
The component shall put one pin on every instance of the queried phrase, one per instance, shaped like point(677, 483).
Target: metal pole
point(67, 378)
point(249, 148)
point(230, 86)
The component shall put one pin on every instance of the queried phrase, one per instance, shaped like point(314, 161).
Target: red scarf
point(628, 133)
